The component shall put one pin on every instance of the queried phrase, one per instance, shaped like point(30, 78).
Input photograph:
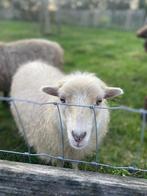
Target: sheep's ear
point(53, 90)
point(50, 90)
point(112, 92)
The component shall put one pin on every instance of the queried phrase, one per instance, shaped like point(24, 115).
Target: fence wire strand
point(62, 131)
point(96, 133)
point(22, 127)
point(62, 157)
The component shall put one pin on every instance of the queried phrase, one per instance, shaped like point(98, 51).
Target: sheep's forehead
point(80, 87)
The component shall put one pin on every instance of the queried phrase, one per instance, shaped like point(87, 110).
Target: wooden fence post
point(27, 179)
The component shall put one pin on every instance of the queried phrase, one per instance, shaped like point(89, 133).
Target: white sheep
point(39, 82)
point(14, 54)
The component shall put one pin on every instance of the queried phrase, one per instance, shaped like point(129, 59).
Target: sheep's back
point(14, 54)
point(31, 76)
point(23, 51)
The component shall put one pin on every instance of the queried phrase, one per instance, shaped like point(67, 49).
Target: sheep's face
point(79, 121)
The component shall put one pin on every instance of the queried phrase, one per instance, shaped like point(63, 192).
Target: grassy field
point(115, 56)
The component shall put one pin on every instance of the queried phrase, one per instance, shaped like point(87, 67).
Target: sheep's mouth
point(78, 146)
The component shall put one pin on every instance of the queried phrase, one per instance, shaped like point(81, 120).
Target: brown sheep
point(14, 54)
point(142, 33)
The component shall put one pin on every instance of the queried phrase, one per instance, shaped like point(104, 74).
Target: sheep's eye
point(98, 101)
point(62, 100)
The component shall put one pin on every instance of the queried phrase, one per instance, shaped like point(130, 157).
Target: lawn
point(115, 56)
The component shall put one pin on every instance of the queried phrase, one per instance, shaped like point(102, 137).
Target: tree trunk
point(45, 26)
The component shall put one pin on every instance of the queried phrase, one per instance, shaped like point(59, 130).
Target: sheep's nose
point(78, 138)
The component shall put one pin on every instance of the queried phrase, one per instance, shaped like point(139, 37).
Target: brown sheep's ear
point(50, 90)
point(112, 92)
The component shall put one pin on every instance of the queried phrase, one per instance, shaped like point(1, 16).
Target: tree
point(28, 9)
point(45, 17)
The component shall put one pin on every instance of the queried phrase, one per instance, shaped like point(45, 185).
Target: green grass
point(119, 59)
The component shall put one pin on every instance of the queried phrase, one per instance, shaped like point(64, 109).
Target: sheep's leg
point(5, 94)
point(60, 163)
point(49, 162)
point(75, 166)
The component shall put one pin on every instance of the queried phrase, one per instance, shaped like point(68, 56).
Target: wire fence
point(62, 158)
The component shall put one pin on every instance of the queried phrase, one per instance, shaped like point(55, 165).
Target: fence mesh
point(26, 155)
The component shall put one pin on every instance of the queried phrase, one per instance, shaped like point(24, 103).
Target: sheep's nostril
point(73, 134)
point(83, 135)
point(78, 138)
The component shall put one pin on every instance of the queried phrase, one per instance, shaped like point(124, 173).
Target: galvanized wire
point(62, 131)
point(96, 132)
point(122, 107)
point(22, 127)
point(62, 157)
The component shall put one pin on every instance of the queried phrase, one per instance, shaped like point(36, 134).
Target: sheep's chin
point(77, 146)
